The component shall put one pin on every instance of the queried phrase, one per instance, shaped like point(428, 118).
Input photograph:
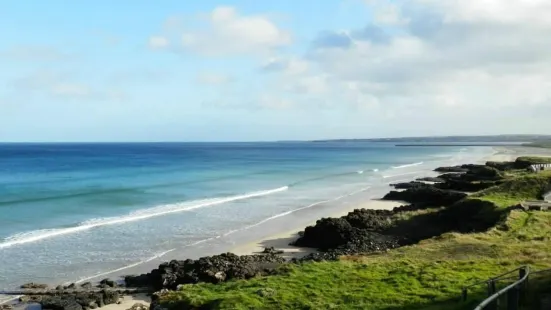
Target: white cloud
point(210, 78)
point(63, 86)
point(158, 42)
point(226, 32)
point(70, 90)
point(40, 53)
point(435, 62)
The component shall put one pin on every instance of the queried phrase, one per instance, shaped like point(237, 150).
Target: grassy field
point(427, 275)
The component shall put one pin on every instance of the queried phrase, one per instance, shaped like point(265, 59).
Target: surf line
point(44, 234)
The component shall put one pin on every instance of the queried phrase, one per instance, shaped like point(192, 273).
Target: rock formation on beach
point(211, 269)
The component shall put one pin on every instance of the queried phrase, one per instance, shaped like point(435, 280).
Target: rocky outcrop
point(427, 196)
point(74, 300)
point(212, 269)
point(359, 231)
point(431, 179)
point(138, 306)
point(501, 166)
point(408, 185)
point(451, 169)
point(271, 250)
point(33, 285)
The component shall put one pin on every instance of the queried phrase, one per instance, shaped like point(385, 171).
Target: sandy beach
point(281, 241)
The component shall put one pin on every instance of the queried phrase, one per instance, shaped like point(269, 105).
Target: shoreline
point(281, 240)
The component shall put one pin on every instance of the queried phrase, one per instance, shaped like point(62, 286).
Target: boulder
point(431, 179)
point(271, 250)
point(451, 169)
point(138, 306)
point(86, 285)
point(110, 297)
point(408, 185)
point(212, 269)
point(426, 195)
point(108, 283)
point(35, 286)
point(60, 303)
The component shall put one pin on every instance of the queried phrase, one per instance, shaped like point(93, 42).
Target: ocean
point(71, 212)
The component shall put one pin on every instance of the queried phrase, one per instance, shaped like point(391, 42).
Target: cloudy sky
point(173, 70)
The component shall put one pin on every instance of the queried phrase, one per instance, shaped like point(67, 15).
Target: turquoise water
point(70, 211)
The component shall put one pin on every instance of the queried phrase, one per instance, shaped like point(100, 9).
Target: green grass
point(428, 275)
point(517, 189)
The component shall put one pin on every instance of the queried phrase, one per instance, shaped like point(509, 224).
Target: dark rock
point(501, 166)
point(71, 286)
point(6, 307)
point(465, 186)
point(108, 282)
point(271, 250)
point(35, 286)
point(451, 169)
point(138, 306)
point(137, 280)
point(213, 269)
point(357, 232)
point(426, 195)
point(110, 297)
point(408, 185)
point(59, 288)
point(60, 303)
point(86, 286)
point(431, 179)
point(328, 233)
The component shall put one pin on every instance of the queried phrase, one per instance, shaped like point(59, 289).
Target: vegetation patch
point(456, 245)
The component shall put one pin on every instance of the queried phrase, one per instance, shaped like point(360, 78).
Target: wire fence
point(518, 289)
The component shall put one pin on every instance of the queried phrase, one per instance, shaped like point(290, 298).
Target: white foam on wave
point(360, 171)
point(375, 170)
point(295, 210)
point(134, 216)
point(408, 165)
point(159, 255)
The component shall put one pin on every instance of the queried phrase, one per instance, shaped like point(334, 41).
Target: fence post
point(491, 290)
point(523, 287)
point(512, 298)
point(464, 294)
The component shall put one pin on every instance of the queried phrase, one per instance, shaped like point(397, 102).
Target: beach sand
point(128, 301)
point(281, 241)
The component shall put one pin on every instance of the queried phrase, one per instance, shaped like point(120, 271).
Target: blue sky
point(270, 70)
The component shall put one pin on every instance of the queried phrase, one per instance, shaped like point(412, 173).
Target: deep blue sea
point(72, 211)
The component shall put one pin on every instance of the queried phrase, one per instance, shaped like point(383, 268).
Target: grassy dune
point(427, 275)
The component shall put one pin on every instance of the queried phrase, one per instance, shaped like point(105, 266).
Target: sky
point(250, 70)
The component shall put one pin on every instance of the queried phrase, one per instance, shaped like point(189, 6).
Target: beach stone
point(108, 282)
point(6, 307)
point(110, 297)
point(71, 286)
point(87, 285)
point(271, 250)
point(212, 269)
point(138, 306)
point(60, 303)
point(33, 285)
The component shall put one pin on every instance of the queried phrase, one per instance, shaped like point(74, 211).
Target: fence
point(517, 289)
